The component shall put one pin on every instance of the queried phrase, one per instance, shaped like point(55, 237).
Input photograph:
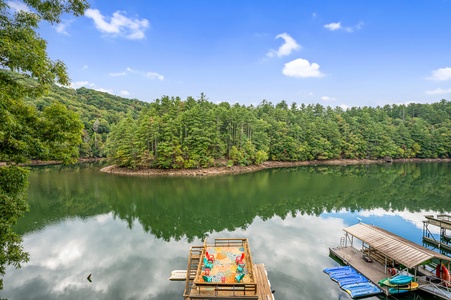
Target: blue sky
point(336, 53)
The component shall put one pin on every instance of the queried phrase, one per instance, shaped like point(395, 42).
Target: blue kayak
point(343, 271)
point(394, 291)
point(365, 289)
point(337, 269)
point(351, 280)
point(340, 276)
point(401, 280)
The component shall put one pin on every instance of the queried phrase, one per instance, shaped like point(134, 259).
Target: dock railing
point(230, 242)
point(210, 290)
point(440, 288)
point(215, 290)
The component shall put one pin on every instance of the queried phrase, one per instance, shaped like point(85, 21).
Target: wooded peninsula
point(170, 133)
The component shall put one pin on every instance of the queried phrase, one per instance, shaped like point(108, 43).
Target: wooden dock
point(382, 249)
point(374, 271)
point(222, 283)
point(264, 289)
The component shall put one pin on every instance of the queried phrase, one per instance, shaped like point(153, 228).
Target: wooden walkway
point(222, 285)
point(387, 249)
point(264, 289)
point(374, 271)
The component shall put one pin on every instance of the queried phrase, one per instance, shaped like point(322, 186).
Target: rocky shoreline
point(246, 169)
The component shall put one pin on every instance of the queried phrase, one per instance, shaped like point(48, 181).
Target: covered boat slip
point(221, 280)
point(382, 250)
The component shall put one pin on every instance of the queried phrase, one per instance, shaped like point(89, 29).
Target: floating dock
point(219, 280)
point(382, 250)
point(353, 257)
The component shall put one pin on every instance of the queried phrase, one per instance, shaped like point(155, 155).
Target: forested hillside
point(192, 133)
point(97, 110)
point(172, 133)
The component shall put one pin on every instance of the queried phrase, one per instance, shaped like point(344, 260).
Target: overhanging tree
point(27, 71)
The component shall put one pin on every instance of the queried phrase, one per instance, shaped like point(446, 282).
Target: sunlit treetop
point(25, 53)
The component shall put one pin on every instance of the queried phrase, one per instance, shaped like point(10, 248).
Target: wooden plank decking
point(264, 289)
point(386, 249)
point(222, 284)
point(374, 271)
point(226, 291)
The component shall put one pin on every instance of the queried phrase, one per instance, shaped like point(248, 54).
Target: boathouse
point(381, 250)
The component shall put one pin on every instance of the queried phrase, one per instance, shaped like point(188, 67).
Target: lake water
point(130, 232)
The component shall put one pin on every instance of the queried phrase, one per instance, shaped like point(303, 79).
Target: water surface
point(130, 232)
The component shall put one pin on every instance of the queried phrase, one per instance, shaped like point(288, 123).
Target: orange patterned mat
point(224, 266)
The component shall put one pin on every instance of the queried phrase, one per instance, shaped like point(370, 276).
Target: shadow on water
point(193, 207)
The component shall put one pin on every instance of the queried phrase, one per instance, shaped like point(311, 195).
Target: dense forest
point(98, 111)
point(172, 133)
point(194, 133)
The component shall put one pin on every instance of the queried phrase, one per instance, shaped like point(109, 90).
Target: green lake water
point(130, 232)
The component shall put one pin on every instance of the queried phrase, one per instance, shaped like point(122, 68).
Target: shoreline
point(36, 162)
point(213, 171)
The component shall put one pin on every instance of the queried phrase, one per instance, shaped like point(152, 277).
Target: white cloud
point(415, 218)
point(61, 27)
point(289, 46)
point(61, 270)
point(79, 84)
point(109, 91)
point(333, 26)
point(118, 24)
point(124, 93)
point(337, 26)
point(404, 103)
point(17, 6)
point(117, 74)
point(327, 98)
point(344, 106)
point(359, 25)
point(153, 75)
point(441, 74)
point(301, 68)
point(439, 91)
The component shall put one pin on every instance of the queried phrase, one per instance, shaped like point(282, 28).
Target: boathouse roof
point(401, 250)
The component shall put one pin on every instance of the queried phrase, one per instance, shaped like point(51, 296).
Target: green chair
point(239, 277)
point(240, 269)
point(206, 278)
point(207, 264)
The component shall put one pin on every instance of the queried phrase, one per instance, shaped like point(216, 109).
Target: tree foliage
point(172, 133)
point(98, 111)
point(26, 133)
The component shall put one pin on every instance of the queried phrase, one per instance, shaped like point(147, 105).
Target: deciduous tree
point(27, 71)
